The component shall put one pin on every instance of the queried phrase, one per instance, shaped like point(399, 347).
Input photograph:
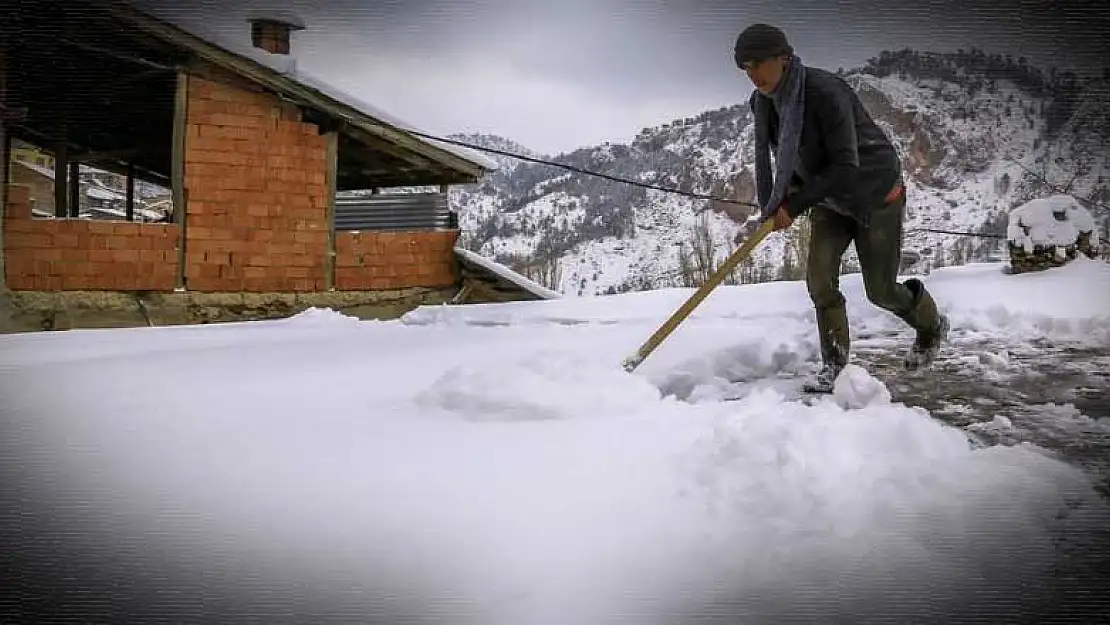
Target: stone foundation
point(1045, 257)
point(31, 311)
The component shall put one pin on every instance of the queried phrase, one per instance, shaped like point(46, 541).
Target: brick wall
point(254, 178)
point(389, 260)
point(256, 218)
point(53, 255)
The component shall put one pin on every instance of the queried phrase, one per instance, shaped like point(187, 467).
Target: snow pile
point(890, 511)
point(546, 385)
point(1057, 220)
point(855, 389)
point(512, 473)
point(1069, 303)
point(762, 361)
point(1066, 419)
point(317, 315)
point(993, 366)
point(998, 424)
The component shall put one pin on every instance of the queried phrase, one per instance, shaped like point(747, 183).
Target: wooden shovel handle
point(703, 291)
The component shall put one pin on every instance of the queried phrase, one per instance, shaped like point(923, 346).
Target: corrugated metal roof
point(395, 211)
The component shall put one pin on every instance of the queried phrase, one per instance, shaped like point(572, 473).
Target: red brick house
point(253, 150)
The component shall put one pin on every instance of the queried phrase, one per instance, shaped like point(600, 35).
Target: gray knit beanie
point(759, 42)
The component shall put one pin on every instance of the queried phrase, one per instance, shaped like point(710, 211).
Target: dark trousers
point(879, 247)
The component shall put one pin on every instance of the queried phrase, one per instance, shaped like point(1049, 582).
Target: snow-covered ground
point(493, 464)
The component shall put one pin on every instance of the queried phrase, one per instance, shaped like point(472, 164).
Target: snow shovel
point(703, 291)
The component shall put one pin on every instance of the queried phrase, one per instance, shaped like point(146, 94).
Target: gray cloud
point(557, 75)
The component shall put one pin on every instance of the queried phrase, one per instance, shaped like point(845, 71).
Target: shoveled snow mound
point(316, 315)
point(885, 503)
point(547, 385)
point(1070, 303)
point(855, 388)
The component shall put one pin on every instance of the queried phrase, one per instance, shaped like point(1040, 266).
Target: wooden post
point(74, 189)
point(5, 150)
point(331, 175)
point(5, 155)
point(452, 218)
point(5, 166)
point(61, 186)
point(130, 192)
point(177, 175)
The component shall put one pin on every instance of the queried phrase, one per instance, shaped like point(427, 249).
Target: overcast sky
point(559, 74)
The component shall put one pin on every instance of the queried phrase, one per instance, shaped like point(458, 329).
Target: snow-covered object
point(1056, 220)
point(531, 286)
point(99, 193)
point(320, 316)
point(855, 388)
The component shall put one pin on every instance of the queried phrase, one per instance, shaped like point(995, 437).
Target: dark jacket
point(845, 161)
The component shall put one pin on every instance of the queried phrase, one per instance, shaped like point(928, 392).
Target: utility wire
point(982, 235)
point(635, 183)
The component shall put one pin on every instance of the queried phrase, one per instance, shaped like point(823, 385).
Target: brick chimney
point(271, 31)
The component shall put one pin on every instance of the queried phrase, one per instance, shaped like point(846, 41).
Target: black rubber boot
point(832, 329)
point(825, 379)
point(932, 328)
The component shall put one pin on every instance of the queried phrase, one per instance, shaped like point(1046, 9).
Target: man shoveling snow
point(832, 160)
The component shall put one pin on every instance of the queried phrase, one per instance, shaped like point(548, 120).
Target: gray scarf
point(789, 100)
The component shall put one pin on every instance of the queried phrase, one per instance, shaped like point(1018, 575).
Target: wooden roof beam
point(108, 155)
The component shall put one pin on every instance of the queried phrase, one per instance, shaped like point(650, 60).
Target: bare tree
point(796, 251)
point(543, 270)
point(698, 260)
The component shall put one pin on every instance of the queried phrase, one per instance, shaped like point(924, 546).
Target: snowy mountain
point(505, 164)
point(978, 134)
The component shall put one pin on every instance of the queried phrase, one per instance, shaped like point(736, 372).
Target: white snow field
point(493, 464)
